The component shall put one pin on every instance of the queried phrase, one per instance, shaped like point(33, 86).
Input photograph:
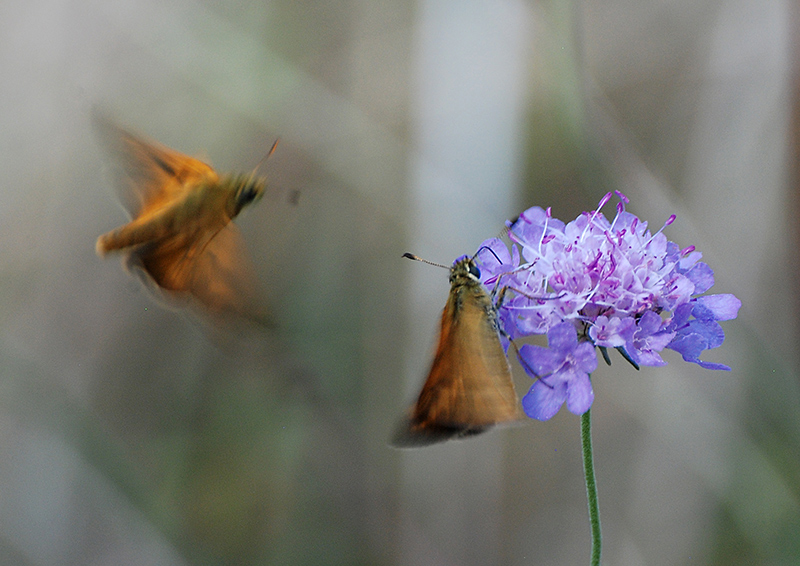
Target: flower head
point(606, 284)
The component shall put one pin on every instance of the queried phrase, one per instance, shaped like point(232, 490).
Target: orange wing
point(469, 387)
point(211, 269)
point(150, 174)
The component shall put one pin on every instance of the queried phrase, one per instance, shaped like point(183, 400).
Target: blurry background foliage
point(127, 436)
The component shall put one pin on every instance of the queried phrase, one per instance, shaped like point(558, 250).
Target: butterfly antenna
point(417, 258)
point(263, 159)
point(490, 250)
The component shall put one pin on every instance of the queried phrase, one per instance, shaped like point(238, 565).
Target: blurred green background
point(127, 436)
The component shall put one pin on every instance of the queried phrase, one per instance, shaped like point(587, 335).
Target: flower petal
point(702, 276)
point(585, 357)
point(724, 306)
point(543, 402)
point(613, 332)
point(690, 346)
point(563, 337)
point(543, 361)
point(579, 393)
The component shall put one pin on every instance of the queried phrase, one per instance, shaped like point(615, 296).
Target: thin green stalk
point(591, 486)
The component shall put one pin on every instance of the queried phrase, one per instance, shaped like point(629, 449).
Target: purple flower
point(563, 371)
point(594, 282)
point(648, 340)
point(696, 329)
point(612, 332)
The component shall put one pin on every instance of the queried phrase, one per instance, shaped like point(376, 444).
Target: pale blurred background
point(128, 437)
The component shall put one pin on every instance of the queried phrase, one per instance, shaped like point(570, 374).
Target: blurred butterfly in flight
point(180, 240)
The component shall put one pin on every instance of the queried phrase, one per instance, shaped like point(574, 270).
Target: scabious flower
point(594, 283)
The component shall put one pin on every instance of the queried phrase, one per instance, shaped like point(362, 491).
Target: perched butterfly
point(180, 240)
point(469, 387)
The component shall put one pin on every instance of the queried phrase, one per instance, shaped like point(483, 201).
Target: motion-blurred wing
point(211, 271)
point(149, 175)
point(469, 387)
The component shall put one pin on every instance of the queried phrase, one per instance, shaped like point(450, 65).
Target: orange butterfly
point(469, 387)
point(180, 240)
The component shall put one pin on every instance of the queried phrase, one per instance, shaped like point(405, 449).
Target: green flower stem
point(591, 485)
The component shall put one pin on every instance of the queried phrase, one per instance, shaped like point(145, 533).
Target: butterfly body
point(209, 204)
point(469, 387)
point(180, 238)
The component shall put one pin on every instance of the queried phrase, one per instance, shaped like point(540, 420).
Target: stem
point(591, 486)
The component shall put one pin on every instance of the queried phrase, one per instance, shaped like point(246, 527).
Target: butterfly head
point(464, 268)
point(247, 190)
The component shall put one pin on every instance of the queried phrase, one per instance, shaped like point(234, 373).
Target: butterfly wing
point(149, 175)
point(180, 242)
point(469, 387)
point(208, 270)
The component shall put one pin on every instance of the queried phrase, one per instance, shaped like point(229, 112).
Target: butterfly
point(469, 387)
point(180, 240)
